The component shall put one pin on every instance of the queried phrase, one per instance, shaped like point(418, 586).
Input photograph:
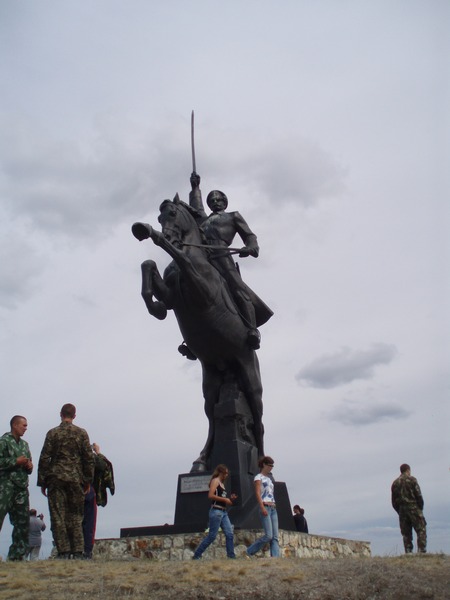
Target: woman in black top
point(218, 516)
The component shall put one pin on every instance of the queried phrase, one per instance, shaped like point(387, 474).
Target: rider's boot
point(248, 316)
point(254, 339)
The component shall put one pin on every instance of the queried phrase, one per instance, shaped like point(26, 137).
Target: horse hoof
point(186, 351)
point(156, 309)
point(141, 231)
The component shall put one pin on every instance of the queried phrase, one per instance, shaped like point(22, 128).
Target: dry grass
point(400, 578)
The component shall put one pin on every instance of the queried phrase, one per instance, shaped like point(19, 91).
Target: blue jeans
point(270, 525)
point(217, 518)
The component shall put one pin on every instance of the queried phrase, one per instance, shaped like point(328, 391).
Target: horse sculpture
point(206, 313)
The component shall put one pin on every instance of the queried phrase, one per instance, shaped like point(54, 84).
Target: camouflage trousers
point(66, 506)
point(413, 518)
point(15, 501)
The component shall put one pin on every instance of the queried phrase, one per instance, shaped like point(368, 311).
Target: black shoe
point(77, 556)
point(63, 555)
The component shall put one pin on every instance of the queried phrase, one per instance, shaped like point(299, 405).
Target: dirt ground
point(416, 577)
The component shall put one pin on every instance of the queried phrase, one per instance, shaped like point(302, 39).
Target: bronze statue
point(220, 228)
point(218, 314)
point(206, 313)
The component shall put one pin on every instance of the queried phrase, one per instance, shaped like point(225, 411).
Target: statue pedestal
point(192, 505)
point(233, 446)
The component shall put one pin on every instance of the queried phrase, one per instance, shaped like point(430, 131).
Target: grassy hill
point(416, 577)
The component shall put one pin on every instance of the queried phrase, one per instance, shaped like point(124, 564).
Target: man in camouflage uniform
point(15, 466)
point(65, 470)
point(408, 503)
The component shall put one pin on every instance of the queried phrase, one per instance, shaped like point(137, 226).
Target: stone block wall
point(182, 546)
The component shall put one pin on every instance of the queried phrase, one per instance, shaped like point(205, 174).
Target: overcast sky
point(326, 124)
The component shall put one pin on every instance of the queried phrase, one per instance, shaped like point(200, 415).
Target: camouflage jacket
point(10, 450)
point(66, 456)
point(406, 493)
point(103, 479)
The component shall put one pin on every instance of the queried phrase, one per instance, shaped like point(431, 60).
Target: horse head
point(179, 223)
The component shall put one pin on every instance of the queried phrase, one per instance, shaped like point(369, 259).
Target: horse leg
point(251, 382)
point(150, 285)
point(212, 381)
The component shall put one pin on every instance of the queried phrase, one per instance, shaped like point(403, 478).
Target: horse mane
point(194, 212)
point(197, 215)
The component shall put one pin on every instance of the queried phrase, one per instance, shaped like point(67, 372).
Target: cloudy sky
point(326, 124)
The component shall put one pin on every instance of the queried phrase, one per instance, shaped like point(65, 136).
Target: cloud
point(82, 188)
point(296, 170)
point(345, 366)
point(81, 185)
point(281, 169)
point(351, 412)
point(20, 269)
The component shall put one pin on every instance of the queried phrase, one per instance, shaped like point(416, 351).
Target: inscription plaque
point(189, 485)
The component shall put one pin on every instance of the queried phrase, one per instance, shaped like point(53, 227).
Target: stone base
point(182, 546)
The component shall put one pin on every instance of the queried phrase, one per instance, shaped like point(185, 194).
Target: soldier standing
point(65, 470)
point(408, 503)
point(15, 466)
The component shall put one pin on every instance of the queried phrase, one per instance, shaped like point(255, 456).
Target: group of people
point(218, 516)
point(407, 501)
point(73, 475)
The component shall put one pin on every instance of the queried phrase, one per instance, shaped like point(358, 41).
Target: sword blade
point(194, 170)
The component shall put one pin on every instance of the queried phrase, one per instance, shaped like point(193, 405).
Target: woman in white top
point(264, 489)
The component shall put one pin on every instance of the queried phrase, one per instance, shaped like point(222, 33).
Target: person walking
point(218, 516)
point(407, 501)
point(15, 467)
point(264, 490)
point(37, 526)
point(65, 470)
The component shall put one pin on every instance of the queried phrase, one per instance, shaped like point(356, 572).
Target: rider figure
point(220, 228)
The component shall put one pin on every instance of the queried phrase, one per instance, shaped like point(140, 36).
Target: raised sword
point(192, 143)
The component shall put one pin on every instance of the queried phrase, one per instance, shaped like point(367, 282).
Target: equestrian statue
point(217, 313)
